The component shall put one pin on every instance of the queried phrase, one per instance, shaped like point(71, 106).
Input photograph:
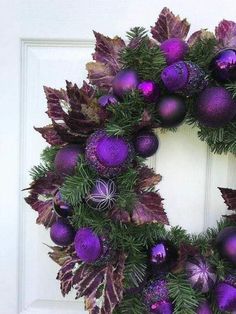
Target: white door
point(44, 42)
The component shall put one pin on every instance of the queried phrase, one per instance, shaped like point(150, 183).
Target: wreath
point(98, 197)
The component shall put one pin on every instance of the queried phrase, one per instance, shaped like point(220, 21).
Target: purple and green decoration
point(223, 65)
point(62, 233)
point(174, 49)
point(226, 244)
point(171, 111)
point(145, 143)
point(125, 81)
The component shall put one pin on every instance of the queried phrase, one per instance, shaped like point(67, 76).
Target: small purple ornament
point(184, 77)
point(215, 107)
point(174, 49)
point(62, 208)
point(200, 274)
point(149, 90)
point(107, 100)
point(163, 256)
point(66, 159)
point(223, 65)
point(226, 243)
point(62, 233)
point(108, 155)
point(102, 195)
point(88, 245)
point(226, 295)
point(204, 308)
point(146, 143)
point(171, 111)
point(125, 81)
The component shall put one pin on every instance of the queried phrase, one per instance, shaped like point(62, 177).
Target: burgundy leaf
point(169, 26)
point(147, 178)
point(229, 196)
point(185, 250)
point(54, 98)
point(226, 34)
point(120, 215)
point(60, 254)
point(50, 135)
point(100, 75)
point(199, 35)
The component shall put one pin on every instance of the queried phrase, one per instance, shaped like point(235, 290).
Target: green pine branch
point(131, 305)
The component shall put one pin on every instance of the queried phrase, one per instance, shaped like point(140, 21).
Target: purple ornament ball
point(223, 65)
point(171, 111)
point(146, 143)
point(107, 100)
point(174, 49)
point(149, 90)
point(225, 294)
point(62, 208)
point(125, 81)
point(163, 256)
point(88, 245)
point(62, 233)
point(204, 308)
point(215, 107)
point(66, 159)
point(226, 244)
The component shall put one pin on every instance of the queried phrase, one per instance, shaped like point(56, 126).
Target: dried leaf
point(226, 34)
point(50, 135)
point(147, 178)
point(60, 254)
point(199, 35)
point(120, 215)
point(169, 26)
point(54, 97)
point(229, 196)
point(100, 75)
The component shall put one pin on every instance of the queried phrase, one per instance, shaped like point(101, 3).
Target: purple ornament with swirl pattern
point(223, 65)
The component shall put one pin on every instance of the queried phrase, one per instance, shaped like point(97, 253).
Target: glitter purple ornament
point(125, 81)
point(226, 243)
point(200, 274)
point(102, 195)
point(204, 308)
point(108, 155)
point(149, 90)
point(107, 100)
point(225, 293)
point(215, 107)
point(184, 77)
point(88, 245)
point(146, 143)
point(62, 233)
point(171, 111)
point(66, 159)
point(223, 65)
point(62, 208)
point(174, 49)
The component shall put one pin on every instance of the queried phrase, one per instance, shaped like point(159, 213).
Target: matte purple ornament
point(225, 293)
point(107, 100)
point(171, 111)
point(204, 308)
point(102, 195)
point(125, 81)
point(200, 274)
point(62, 233)
point(108, 155)
point(215, 107)
point(62, 208)
point(223, 65)
point(186, 77)
point(226, 243)
point(146, 143)
point(66, 159)
point(149, 90)
point(88, 245)
point(174, 49)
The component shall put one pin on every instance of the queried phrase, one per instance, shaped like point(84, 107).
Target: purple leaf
point(100, 75)
point(120, 215)
point(50, 135)
point(54, 98)
point(147, 178)
point(226, 34)
point(169, 26)
point(199, 35)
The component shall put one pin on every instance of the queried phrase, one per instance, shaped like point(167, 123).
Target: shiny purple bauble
point(223, 65)
point(125, 81)
point(62, 233)
point(107, 100)
point(163, 256)
point(225, 294)
point(204, 308)
point(62, 208)
point(171, 111)
point(174, 49)
point(226, 244)
point(102, 195)
point(183, 76)
point(88, 245)
point(200, 274)
point(215, 107)
point(149, 90)
point(146, 143)
point(108, 155)
point(66, 159)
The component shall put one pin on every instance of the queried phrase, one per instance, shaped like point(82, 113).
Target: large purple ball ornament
point(225, 293)
point(163, 256)
point(125, 81)
point(200, 274)
point(174, 49)
point(107, 100)
point(67, 158)
point(204, 308)
point(171, 111)
point(149, 90)
point(108, 155)
point(156, 297)
point(102, 195)
point(215, 107)
point(185, 77)
point(62, 208)
point(146, 143)
point(226, 244)
point(223, 65)
point(62, 233)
